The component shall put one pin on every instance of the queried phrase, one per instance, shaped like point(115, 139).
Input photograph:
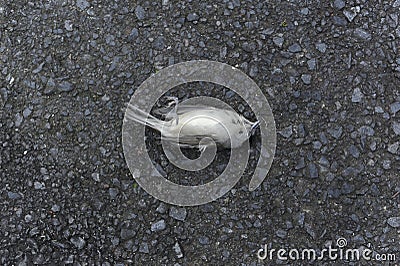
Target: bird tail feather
point(142, 117)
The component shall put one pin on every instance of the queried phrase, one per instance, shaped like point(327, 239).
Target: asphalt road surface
point(329, 69)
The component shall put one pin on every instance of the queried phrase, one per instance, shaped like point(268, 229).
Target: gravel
point(335, 131)
point(278, 41)
point(13, 195)
point(362, 34)
point(134, 34)
point(78, 242)
point(287, 132)
point(178, 213)
point(394, 221)
point(65, 86)
point(295, 48)
point(158, 226)
point(396, 127)
point(321, 47)
point(393, 148)
point(339, 4)
point(313, 170)
point(144, 248)
point(82, 4)
point(339, 21)
point(330, 71)
point(140, 12)
point(159, 43)
point(357, 95)
point(204, 240)
point(281, 233)
point(312, 64)
point(352, 13)
point(178, 250)
point(306, 78)
point(192, 17)
point(394, 108)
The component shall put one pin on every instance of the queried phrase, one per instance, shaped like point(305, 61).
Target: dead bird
point(187, 125)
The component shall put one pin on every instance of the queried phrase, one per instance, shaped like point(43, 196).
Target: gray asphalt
point(329, 69)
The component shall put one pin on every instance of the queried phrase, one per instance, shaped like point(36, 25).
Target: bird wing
point(184, 108)
point(188, 141)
